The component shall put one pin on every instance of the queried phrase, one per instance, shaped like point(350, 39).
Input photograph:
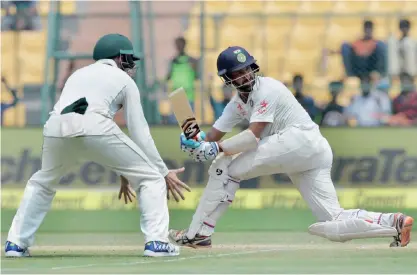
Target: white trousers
point(306, 157)
point(119, 153)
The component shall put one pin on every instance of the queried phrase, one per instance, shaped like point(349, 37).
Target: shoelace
point(163, 246)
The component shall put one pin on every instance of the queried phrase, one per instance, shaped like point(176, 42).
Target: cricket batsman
point(281, 138)
point(81, 126)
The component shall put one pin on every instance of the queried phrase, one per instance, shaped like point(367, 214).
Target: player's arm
point(138, 126)
point(257, 128)
point(214, 135)
point(244, 141)
point(224, 124)
point(168, 77)
point(262, 116)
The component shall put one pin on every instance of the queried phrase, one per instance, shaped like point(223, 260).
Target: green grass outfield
point(247, 241)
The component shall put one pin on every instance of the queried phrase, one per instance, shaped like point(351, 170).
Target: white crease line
point(74, 266)
point(18, 269)
point(170, 260)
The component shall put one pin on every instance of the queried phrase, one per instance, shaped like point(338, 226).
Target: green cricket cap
point(112, 45)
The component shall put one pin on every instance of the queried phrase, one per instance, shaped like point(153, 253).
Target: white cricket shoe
point(179, 237)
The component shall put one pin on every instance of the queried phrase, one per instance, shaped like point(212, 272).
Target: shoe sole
point(150, 253)
point(15, 254)
point(406, 231)
point(195, 246)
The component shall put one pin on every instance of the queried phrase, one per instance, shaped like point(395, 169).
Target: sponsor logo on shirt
point(241, 110)
point(262, 109)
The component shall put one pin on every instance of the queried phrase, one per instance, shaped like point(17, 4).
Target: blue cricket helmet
point(234, 59)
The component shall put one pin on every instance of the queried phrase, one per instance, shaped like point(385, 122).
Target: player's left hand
point(126, 190)
point(206, 151)
point(189, 145)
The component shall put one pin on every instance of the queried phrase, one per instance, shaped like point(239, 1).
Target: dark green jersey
point(183, 74)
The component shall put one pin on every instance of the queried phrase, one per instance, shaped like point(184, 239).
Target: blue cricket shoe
point(13, 250)
point(160, 249)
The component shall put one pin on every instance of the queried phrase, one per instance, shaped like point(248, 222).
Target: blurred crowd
point(374, 63)
point(377, 64)
point(19, 16)
point(372, 107)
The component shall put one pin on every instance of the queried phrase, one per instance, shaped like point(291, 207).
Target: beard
point(247, 88)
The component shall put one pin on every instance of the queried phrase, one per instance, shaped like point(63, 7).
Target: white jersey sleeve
point(264, 106)
point(229, 118)
point(138, 126)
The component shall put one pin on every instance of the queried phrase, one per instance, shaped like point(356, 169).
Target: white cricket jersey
point(107, 89)
point(270, 101)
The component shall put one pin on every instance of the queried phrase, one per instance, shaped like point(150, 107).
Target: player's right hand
point(175, 185)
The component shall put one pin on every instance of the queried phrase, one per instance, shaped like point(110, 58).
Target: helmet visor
point(132, 53)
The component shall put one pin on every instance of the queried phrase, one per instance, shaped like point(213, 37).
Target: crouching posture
point(281, 138)
point(81, 126)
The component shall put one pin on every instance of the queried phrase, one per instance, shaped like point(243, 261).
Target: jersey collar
point(110, 62)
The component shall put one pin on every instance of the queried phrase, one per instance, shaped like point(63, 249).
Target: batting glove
point(189, 145)
point(206, 151)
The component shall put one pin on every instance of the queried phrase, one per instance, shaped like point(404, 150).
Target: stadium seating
point(23, 57)
point(31, 49)
point(67, 7)
point(282, 6)
point(292, 35)
point(307, 7)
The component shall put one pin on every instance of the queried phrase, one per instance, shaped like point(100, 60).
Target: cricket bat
point(183, 113)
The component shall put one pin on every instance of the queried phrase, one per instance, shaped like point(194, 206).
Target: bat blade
point(184, 113)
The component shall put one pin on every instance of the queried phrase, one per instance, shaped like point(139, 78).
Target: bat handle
point(195, 137)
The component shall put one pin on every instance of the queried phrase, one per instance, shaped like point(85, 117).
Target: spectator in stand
point(369, 108)
point(333, 113)
point(402, 53)
point(305, 101)
point(5, 106)
point(364, 55)
point(405, 104)
point(26, 17)
point(183, 71)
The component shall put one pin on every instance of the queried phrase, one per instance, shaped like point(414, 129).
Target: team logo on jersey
point(241, 57)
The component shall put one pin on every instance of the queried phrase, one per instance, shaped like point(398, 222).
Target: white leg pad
point(217, 191)
point(346, 230)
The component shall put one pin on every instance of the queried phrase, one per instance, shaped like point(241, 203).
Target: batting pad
point(350, 229)
point(219, 190)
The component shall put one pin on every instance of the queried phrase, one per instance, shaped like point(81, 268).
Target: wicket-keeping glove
point(206, 151)
point(189, 145)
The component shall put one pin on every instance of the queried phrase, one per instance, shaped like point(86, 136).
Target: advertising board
point(371, 157)
point(283, 198)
